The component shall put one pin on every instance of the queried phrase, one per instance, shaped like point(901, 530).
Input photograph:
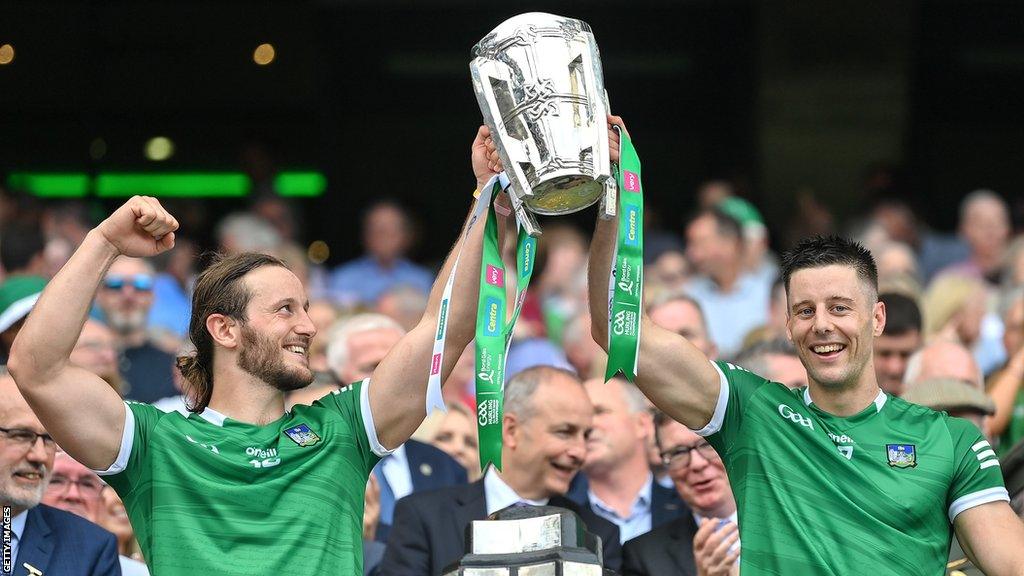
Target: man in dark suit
point(546, 418)
point(619, 485)
point(690, 544)
point(44, 540)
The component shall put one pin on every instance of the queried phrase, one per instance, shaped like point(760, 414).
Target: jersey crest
point(302, 435)
point(901, 455)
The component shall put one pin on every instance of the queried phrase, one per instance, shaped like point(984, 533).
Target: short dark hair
point(902, 314)
point(725, 224)
point(19, 244)
point(820, 251)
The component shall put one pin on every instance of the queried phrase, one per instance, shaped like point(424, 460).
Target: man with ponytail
point(236, 485)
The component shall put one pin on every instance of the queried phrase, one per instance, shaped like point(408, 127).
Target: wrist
point(97, 239)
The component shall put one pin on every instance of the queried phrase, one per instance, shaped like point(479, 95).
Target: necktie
point(387, 497)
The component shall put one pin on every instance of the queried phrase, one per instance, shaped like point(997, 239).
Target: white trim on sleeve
point(371, 430)
point(723, 400)
point(973, 499)
point(127, 441)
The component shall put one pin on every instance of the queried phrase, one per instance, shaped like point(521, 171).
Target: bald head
point(943, 359)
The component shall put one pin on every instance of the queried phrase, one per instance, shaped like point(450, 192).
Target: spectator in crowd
point(900, 338)
point(355, 347)
point(734, 302)
point(115, 519)
point(985, 226)
point(586, 356)
point(934, 251)
point(76, 489)
point(544, 426)
point(776, 360)
point(403, 304)
point(1006, 387)
point(172, 286)
point(44, 540)
point(619, 485)
point(323, 314)
point(22, 250)
point(953, 308)
point(895, 259)
point(670, 270)
point(456, 435)
point(703, 542)
point(96, 351)
point(683, 315)
point(530, 352)
point(245, 232)
point(125, 298)
point(460, 387)
point(387, 236)
point(944, 376)
point(758, 260)
point(17, 297)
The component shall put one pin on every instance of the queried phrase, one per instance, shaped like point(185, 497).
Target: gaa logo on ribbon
point(495, 276)
point(794, 417)
point(487, 412)
point(631, 180)
point(633, 225)
point(624, 321)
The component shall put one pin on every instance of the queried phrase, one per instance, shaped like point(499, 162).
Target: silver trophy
point(540, 87)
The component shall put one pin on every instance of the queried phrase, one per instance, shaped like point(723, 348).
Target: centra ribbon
point(625, 286)
point(494, 332)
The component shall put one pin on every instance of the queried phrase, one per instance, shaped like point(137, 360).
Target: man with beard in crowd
point(44, 540)
point(242, 485)
point(125, 298)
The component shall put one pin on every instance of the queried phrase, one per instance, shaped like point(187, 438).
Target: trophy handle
point(525, 217)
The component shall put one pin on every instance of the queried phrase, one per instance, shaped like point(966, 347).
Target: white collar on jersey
point(212, 416)
point(879, 400)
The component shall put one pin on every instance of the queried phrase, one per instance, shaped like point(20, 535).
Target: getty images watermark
point(8, 562)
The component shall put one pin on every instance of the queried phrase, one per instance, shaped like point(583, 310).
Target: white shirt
point(17, 530)
point(396, 470)
point(638, 521)
point(499, 495)
point(132, 567)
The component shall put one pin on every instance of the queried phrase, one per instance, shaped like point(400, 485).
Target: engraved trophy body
point(540, 86)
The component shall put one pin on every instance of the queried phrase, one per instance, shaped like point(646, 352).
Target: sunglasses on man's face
point(140, 282)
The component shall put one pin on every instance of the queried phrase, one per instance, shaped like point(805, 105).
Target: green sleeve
point(131, 465)
point(977, 478)
point(737, 386)
point(353, 404)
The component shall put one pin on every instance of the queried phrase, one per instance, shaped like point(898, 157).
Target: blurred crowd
point(953, 341)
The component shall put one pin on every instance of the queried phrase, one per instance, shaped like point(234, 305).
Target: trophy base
point(565, 195)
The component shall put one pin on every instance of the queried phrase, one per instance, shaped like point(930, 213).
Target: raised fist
point(141, 227)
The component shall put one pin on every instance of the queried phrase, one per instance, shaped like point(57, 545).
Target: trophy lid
point(526, 23)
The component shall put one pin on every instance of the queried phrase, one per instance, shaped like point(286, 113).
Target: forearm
point(1004, 391)
point(51, 330)
point(602, 250)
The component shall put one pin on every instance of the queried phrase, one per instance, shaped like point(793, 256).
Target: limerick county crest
point(302, 435)
point(901, 455)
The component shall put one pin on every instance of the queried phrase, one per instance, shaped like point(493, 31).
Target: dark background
point(783, 97)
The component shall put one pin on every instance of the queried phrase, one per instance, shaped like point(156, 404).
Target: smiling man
point(239, 485)
point(546, 420)
point(837, 476)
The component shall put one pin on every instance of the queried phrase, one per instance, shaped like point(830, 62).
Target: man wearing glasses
point(125, 297)
point(76, 489)
point(705, 543)
point(44, 540)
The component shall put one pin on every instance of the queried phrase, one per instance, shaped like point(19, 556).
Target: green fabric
point(627, 276)
point(493, 333)
point(240, 499)
point(817, 494)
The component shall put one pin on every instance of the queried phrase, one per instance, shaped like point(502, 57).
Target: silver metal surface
point(540, 86)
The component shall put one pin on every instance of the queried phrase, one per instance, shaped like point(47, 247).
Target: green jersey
point(210, 495)
point(819, 494)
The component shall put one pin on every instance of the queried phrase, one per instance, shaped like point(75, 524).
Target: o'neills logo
point(633, 228)
point(442, 319)
point(493, 317)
